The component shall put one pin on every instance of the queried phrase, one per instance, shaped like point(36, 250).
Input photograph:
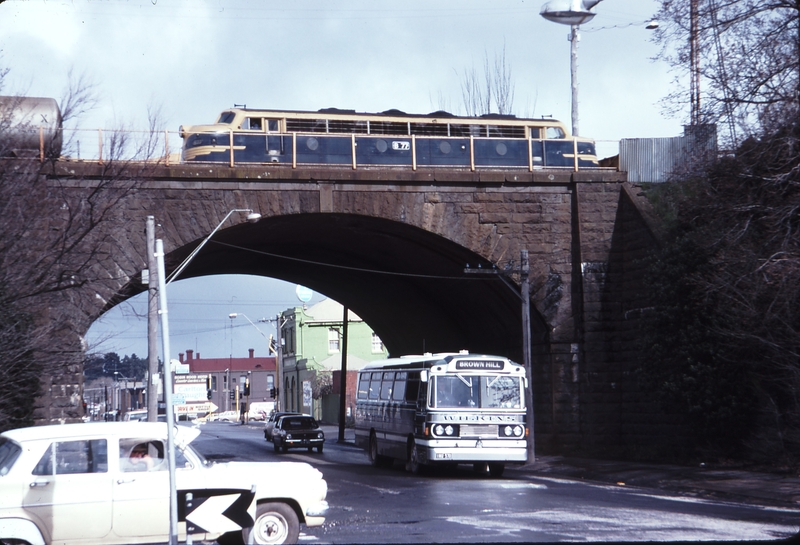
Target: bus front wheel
point(377, 460)
point(496, 469)
point(413, 464)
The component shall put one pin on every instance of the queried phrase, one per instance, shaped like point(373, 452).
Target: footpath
point(703, 481)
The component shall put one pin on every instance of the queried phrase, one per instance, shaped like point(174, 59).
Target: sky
point(188, 60)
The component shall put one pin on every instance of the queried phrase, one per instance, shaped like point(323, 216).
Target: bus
point(443, 409)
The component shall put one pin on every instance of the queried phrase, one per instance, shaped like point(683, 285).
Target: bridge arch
point(408, 283)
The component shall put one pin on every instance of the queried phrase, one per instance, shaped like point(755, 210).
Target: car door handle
point(35, 484)
point(128, 480)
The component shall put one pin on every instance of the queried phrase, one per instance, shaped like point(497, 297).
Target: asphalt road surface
point(371, 505)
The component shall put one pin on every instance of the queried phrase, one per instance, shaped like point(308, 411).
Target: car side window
point(70, 457)
point(141, 455)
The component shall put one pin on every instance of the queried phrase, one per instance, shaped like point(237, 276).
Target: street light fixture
point(252, 217)
point(573, 13)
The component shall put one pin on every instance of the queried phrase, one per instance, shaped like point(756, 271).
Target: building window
point(333, 340)
point(377, 344)
point(214, 383)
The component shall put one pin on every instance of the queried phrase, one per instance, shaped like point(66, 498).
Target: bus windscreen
point(475, 391)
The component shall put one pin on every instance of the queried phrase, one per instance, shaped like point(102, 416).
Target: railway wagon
point(30, 126)
point(391, 138)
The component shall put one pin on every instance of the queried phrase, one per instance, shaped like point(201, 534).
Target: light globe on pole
point(573, 13)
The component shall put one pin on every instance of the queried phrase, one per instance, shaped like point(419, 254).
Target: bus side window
point(399, 392)
point(375, 386)
point(363, 385)
point(412, 389)
point(386, 387)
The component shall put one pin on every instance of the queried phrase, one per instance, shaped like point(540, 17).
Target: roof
point(329, 310)
point(210, 365)
point(100, 429)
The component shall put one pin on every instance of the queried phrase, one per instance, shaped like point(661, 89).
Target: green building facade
point(311, 350)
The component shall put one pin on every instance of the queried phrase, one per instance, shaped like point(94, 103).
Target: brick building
point(228, 375)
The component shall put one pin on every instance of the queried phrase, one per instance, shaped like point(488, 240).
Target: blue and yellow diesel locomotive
point(391, 138)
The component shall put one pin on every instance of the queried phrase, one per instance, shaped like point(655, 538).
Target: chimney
point(180, 357)
point(251, 350)
point(189, 355)
point(197, 357)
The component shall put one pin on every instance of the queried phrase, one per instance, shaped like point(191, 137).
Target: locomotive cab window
point(226, 117)
point(252, 123)
point(555, 132)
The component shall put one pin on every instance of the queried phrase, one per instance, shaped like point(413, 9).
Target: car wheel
point(319, 449)
point(275, 523)
point(275, 445)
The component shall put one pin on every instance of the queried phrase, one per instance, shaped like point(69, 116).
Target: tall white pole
point(162, 309)
point(574, 38)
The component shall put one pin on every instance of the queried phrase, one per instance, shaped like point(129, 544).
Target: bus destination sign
point(479, 365)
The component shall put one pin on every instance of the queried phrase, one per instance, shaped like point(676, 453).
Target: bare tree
point(495, 89)
point(744, 58)
point(56, 252)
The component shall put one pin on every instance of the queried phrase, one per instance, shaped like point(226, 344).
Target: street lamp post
point(573, 13)
point(252, 217)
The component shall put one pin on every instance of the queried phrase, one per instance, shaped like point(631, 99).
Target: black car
point(273, 418)
point(297, 431)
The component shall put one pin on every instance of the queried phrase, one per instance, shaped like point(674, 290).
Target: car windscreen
point(9, 452)
point(299, 424)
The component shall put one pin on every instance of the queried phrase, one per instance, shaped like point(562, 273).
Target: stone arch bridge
point(393, 246)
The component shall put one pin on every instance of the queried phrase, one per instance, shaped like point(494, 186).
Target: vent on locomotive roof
point(440, 113)
point(335, 111)
point(498, 116)
point(394, 111)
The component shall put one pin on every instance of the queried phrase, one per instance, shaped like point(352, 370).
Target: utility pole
point(525, 297)
point(343, 377)
point(525, 290)
point(694, 59)
point(152, 323)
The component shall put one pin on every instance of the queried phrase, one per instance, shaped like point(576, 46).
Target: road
point(371, 505)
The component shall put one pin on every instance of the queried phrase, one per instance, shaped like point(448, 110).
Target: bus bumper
point(470, 451)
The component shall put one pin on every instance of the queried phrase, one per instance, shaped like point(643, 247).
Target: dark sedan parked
point(297, 431)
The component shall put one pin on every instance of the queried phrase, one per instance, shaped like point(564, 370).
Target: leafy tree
point(722, 343)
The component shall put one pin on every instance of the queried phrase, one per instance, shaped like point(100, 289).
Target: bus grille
point(482, 430)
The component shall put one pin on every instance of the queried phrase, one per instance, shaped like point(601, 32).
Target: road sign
point(178, 399)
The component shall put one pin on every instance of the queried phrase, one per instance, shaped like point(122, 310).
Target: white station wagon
point(108, 482)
